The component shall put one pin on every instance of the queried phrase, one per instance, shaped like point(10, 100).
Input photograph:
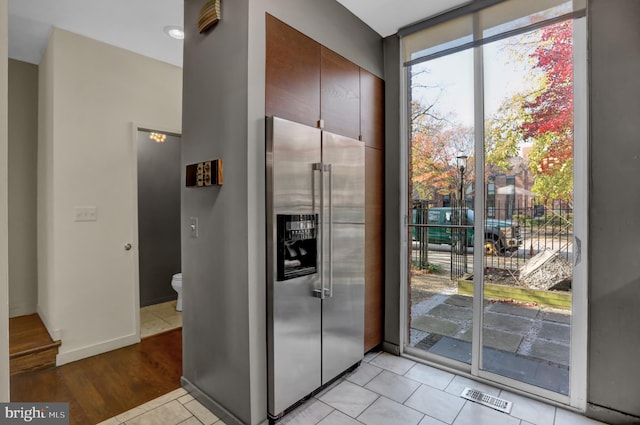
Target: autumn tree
point(435, 143)
point(542, 116)
point(550, 123)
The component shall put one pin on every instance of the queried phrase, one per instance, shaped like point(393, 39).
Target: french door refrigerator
point(315, 259)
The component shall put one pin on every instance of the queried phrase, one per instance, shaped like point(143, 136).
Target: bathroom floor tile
point(159, 318)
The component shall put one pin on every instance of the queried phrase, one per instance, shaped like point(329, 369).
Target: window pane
point(441, 130)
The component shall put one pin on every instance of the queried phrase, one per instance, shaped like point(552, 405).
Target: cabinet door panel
point(340, 98)
point(371, 110)
point(374, 248)
point(292, 74)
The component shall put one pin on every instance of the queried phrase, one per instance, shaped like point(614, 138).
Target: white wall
point(22, 154)
point(90, 93)
point(4, 231)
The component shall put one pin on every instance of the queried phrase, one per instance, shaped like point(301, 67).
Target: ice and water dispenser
point(297, 245)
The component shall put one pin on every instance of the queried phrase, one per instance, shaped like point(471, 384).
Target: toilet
point(176, 283)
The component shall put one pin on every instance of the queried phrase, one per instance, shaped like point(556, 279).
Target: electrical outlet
point(85, 214)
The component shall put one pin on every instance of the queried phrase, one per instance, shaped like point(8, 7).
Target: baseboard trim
point(610, 416)
point(391, 348)
point(222, 413)
point(92, 350)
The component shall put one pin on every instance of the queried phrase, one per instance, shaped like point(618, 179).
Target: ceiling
point(137, 25)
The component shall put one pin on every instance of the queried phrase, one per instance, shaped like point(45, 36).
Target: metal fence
point(526, 228)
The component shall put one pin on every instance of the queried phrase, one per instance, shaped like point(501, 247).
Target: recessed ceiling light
point(174, 31)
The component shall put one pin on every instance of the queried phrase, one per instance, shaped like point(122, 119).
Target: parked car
point(500, 236)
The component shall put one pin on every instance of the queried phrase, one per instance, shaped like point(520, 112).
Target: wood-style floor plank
point(103, 386)
point(26, 333)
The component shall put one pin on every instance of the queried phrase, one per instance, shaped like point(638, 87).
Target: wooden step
point(30, 346)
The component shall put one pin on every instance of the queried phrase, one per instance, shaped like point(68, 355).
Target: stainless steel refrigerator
point(315, 259)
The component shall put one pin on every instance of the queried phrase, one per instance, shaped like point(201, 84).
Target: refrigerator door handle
point(318, 166)
point(329, 169)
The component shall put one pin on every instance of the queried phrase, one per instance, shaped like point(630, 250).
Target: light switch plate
point(193, 227)
point(85, 214)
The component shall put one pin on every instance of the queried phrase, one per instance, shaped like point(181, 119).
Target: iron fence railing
point(512, 234)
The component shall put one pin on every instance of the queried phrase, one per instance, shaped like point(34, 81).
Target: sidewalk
point(528, 343)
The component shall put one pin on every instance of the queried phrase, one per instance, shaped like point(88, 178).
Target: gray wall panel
point(614, 324)
point(392, 189)
point(215, 312)
point(224, 284)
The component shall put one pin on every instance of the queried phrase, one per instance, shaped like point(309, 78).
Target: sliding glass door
point(492, 200)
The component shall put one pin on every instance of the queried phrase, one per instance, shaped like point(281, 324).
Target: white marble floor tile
point(435, 403)
point(387, 412)
point(185, 398)
point(395, 387)
point(365, 373)
point(311, 412)
point(431, 376)
point(395, 364)
point(201, 412)
point(349, 398)
point(338, 418)
point(530, 410)
point(476, 414)
point(191, 421)
point(428, 420)
point(171, 413)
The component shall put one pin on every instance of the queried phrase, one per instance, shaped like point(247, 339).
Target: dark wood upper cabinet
point(292, 74)
point(340, 95)
point(372, 109)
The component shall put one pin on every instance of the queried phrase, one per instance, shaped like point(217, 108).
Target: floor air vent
point(487, 400)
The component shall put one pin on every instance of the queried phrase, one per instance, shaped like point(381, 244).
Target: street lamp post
point(461, 162)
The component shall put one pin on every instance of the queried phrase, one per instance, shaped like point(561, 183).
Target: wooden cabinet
point(371, 110)
point(372, 130)
point(374, 248)
point(306, 82)
point(292, 74)
point(340, 95)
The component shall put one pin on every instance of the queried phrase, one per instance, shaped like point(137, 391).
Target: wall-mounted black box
point(203, 174)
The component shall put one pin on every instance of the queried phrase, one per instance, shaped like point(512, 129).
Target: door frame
point(133, 224)
point(577, 398)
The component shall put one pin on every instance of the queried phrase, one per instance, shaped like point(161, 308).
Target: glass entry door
point(529, 208)
point(491, 208)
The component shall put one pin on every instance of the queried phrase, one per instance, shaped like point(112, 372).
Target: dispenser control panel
point(297, 245)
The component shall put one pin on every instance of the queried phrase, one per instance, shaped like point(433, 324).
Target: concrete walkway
point(528, 343)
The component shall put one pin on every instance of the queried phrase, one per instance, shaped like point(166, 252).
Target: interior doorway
point(159, 253)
